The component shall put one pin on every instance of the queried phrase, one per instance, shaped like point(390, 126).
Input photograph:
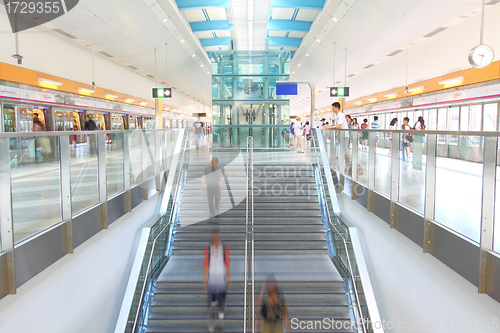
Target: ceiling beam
point(285, 41)
point(212, 42)
point(200, 4)
point(287, 25)
point(204, 26)
point(301, 4)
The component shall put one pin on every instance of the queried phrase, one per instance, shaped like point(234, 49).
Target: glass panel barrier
point(458, 195)
point(84, 176)
point(114, 165)
point(412, 172)
point(363, 137)
point(135, 141)
point(36, 195)
point(383, 166)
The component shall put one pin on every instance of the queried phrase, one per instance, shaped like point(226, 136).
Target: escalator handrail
point(144, 283)
point(351, 271)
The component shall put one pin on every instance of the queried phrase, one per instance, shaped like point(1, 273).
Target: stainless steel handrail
point(139, 307)
point(399, 131)
point(246, 241)
point(252, 235)
point(351, 272)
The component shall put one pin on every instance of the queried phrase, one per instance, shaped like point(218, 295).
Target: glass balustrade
point(458, 173)
point(36, 166)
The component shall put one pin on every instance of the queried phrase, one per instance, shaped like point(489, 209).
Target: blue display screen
point(286, 89)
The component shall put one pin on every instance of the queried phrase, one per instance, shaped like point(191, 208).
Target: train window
point(475, 118)
point(453, 119)
point(25, 119)
point(464, 118)
point(442, 119)
point(490, 117)
point(432, 120)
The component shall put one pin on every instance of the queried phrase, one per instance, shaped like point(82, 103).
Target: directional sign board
point(286, 89)
point(162, 92)
point(339, 92)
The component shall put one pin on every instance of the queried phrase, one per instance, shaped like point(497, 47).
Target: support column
point(158, 113)
point(488, 212)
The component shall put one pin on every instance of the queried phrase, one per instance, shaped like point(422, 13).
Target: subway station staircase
point(289, 242)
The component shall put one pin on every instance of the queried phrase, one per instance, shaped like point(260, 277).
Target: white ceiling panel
point(276, 33)
point(205, 34)
point(194, 15)
point(296, 34)
point(216, 14)
point(282, 13)
point(223, 33)
point(306, 15)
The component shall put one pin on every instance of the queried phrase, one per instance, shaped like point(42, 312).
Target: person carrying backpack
point(217, 276)
point(407, 139)
point(273, 309)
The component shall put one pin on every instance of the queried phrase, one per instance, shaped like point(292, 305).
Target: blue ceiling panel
point(200, 4)
point(287, 25)
point(211, 42)
point(302, 4)
point(211, 26)
point(285, 41)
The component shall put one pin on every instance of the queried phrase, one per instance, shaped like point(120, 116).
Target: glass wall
point(245, 101)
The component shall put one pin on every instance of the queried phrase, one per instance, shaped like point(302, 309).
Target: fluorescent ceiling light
point(454, 81)
point(49, 81)
point(90, 91)
point(143, 103)
point(372, 100)
point(110, 95)
point(358, 103)
point(416, 89)
point(129, 100)
point(393, 95)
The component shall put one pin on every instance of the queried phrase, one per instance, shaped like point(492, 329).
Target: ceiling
point(373, 32)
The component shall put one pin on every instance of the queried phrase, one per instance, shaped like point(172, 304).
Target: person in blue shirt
point(291, 133)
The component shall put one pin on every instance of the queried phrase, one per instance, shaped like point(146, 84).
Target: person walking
point(198, 132)
point(393, 125)
point(90, 125)
point(299, 132)
point(217, 276)
point(273, 309)
point(407, 140)
point(307, 131)
point(364, 139)
point(212, 180)
point(375, 125)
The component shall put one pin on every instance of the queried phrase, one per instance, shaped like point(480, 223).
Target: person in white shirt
point(299, 131)
point(340, 122)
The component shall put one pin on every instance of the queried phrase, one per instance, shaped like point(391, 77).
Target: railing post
point(341, 164)
point(488, 211)
point(396, 140)
point(372, 144)
point(144, 165)
point(354, 175)
point(430, 193)
point(126, 172)
point(65, 175)
point(101, 160)
point(7, 269)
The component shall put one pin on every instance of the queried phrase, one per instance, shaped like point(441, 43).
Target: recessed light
point(165, 20)
point(201, 65)
point(317, 39)
point(333, 18)
point(182, 41)
point(300, 65)
point(194, 55)
point(307, 54)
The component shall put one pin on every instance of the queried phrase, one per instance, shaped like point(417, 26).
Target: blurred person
point(364, 139)
point(212, 180)
point(407, 140)
point(350, 125)
point(217, 277)
point(420, 124)
point(73, 137)
point(298, 131)
point(375, 125)
point(291, 133)
point(393, 125)
point(90, 125)
point(307, 130)
point(198, 132)
point(42, 142)
point(273, 309)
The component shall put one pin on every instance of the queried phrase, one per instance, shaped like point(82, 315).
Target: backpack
point(271, 313)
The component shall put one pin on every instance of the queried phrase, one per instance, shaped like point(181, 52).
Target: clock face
point(481, 56)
